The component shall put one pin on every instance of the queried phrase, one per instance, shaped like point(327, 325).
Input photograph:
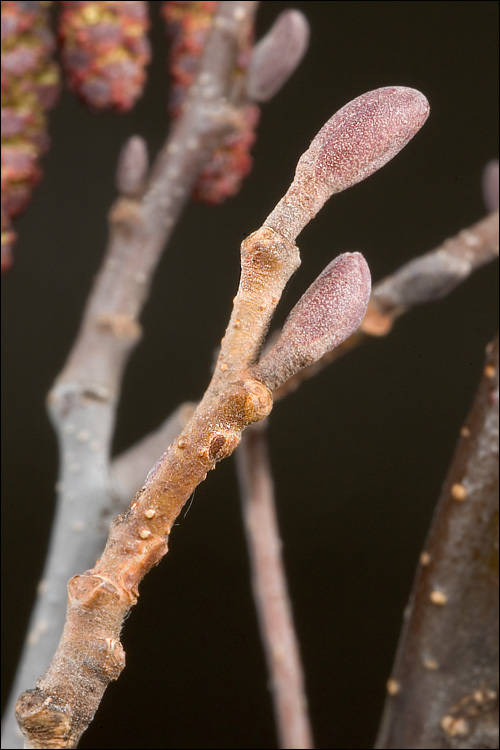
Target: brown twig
point(270, 590)
point(127, 471)
point(90, 655)
point(443, 692)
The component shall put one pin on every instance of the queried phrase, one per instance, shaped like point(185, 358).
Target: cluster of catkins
point(30, 86)
point(104, 51)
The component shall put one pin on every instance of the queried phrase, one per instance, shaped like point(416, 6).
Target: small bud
point(8, 240)
point(359, 139)
point(326, 315)
point(490, 185)
point(277, 55)
point(132, 167)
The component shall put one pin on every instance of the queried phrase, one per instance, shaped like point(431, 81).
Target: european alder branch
point(473, 247)
point(376, 126)
point(82, 403)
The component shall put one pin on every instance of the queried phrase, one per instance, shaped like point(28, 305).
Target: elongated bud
point(326, 315)
point(132, 168)
point(277, 55)
point(490, 185)
point(359, 139)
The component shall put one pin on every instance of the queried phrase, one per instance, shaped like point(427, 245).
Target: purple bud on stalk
point(490, 185)
point(133, 165)
point(326, 315)
point(359, 139)
point(277, 55)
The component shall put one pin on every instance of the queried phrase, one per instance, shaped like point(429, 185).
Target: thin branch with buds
point(83, 401)
point(90, 654)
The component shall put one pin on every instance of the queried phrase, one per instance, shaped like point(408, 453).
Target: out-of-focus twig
point(443, 692)
point(422, 280)
point(270, 590)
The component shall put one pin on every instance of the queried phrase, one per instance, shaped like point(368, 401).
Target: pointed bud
point(326, 315)
point(276, 56)
point(359, 139)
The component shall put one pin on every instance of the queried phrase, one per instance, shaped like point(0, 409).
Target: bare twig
point(128, 470)
point(270, 590)
point(443, 692)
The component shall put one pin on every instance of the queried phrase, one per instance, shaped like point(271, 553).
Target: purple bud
point(364, 135)
point(132, 167)
point(359, 139)
point(490, 185)
point(326, 315)
point(277, 55)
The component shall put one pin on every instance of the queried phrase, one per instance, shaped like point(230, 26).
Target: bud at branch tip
point(359, 139)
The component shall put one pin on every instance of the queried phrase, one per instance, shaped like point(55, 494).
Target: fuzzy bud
point(132, 167)
point(359, 139)
point(326, 315)
point(490, 185)
point(277, 55)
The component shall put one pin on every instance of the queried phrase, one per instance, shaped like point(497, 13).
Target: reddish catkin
point(359, 139)
point(330, 311)
point(105, 51)
point(30, 86)
point(188, 25)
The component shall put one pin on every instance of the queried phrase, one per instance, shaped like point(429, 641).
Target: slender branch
point(424, 279)
point(270, 590)
point(443, 692)
point(435, 274)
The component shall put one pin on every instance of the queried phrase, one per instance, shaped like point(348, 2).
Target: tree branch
point(271, 591)
point(90, 654)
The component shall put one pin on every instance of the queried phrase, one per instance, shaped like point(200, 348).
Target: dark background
point(359, 453)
